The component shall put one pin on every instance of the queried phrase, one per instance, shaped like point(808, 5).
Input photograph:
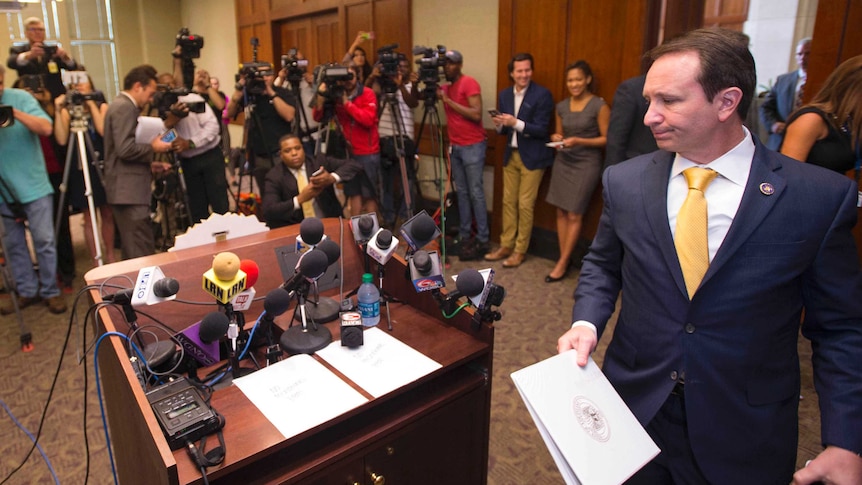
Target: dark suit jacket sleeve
point(346, 168)
point(831, 289)
point(124, 123)
point(12, 60)
point(769, 110)
point(623, 114)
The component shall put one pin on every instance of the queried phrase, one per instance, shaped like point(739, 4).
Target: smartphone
point(169, 136)
point(317, 172)
point(493, 112)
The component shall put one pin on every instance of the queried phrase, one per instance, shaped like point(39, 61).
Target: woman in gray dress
point(582, 127)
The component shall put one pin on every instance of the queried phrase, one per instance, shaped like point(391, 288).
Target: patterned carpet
point(534, 315)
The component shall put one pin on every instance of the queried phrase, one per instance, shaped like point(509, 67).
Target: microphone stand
point(305, 339)
point(236, 328)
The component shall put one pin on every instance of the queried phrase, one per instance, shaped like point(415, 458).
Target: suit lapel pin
point(766, 188)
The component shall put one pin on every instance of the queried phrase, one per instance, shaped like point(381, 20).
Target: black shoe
point(551, 279)
point(470, 251)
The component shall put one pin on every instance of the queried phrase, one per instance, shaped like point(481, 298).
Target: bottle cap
point(367, 278)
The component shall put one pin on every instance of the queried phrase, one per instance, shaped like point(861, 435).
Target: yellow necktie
point(301, 183)
point(691, 239)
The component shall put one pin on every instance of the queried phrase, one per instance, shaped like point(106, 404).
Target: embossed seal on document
point(591, 419)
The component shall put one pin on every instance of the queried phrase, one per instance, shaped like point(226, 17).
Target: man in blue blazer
point(714, 377)
point(525, 111)
point(782, 98)
point(628, 137)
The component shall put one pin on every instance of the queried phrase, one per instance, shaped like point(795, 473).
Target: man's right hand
point(582, 339)
point(35, 51)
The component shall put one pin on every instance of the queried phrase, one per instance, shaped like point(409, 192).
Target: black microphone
point(469, 282)
point(364, 226)
point(330, 249)
point(311, 265)
point(201, 340)
point(166, 287)
point(310, 234)
point(382, 246)
point(479, 288)
point(419, 230)
point(276, 302)
point(426, 272)
point(151, 287)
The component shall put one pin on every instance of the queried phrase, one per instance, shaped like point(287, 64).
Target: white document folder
point(592, 435)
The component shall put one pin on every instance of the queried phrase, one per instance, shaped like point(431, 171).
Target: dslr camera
point(295, 67)
point(7, 117)
point(166, 97)
point(190, 44)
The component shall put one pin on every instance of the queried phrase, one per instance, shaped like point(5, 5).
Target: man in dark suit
point(628, 136)
point(129, 165)
point(525, 115)
point(785, 96)
point(285, 203)
point(31, 59)
point(708, 362)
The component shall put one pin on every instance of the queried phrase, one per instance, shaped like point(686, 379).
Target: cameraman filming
point(356, 112)
point(296, 76)
point(198, 147)
point(404, 84)
point(272, 115)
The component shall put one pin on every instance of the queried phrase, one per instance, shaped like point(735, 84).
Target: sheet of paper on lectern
point(381, 365)
point(298, 394)
point(592, 435)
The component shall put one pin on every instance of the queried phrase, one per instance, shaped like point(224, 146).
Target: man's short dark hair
point(725, 62)
point(141, 74)
point(288, 137)
point(521, 56)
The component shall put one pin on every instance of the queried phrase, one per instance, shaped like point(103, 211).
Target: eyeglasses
point(36, 29)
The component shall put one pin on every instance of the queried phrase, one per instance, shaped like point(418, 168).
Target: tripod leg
point(88, 192)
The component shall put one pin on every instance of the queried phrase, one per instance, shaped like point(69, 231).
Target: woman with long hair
point(357, 56)
point(828, 130)
point(581, 130)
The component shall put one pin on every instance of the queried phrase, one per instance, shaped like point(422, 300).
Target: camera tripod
point(390, 102)
point(81, 144)
point(171, 204)
point(251, 124)
point(431, 116)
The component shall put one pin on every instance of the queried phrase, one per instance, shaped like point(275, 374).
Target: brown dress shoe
point(514, 260)
point(6, 308)
point(56, 304)
point(498, 254)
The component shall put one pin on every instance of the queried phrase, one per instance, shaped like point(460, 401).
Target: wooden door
point(316, 36)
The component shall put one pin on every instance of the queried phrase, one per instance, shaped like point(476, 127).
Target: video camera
point(7, 116)
point(190, 44)
point(332, 75)
point(50, 50)
point(295, 67)
point(389, 63)
point(253, 72)
point(76, 97)
point(430, 63)
point(166, 97)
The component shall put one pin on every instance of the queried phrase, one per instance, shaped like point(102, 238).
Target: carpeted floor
point(534, 315)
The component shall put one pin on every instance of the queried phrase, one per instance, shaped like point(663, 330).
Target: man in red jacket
point(356, 112)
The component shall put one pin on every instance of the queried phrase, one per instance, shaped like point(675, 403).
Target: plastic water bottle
point(369, 301)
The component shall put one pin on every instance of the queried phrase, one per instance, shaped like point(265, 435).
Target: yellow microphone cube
point(222, 290)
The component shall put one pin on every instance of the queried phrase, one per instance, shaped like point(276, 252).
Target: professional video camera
point(388, 62)
point(430, 63)
point(253, 73)
point(295, 67)
point(190, 44)
point(331, 74)
point(75, 97)
point(166, 97)
point(7, 116)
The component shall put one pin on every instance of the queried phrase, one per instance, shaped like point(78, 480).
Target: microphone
point(311, 265)
point(151, 287)
point(426, 270)
point(201, 340)
point(382, 246)
point(225, 279)
point(243, 300)
point(479, 288)
point(331, 250)
point(419, 230)
point(364, 226)
point(276, 302)
point(310, 234)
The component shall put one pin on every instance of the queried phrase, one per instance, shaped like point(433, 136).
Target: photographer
point(26, 196)
point(296, 76)
point(89, 106)
point(356, 112)
point(274, 109)
point(404, 84)
point(197, 145)
point(37, 59)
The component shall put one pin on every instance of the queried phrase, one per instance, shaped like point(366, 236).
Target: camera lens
point(7, 117)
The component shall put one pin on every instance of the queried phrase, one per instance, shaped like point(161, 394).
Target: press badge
point(52, 67)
